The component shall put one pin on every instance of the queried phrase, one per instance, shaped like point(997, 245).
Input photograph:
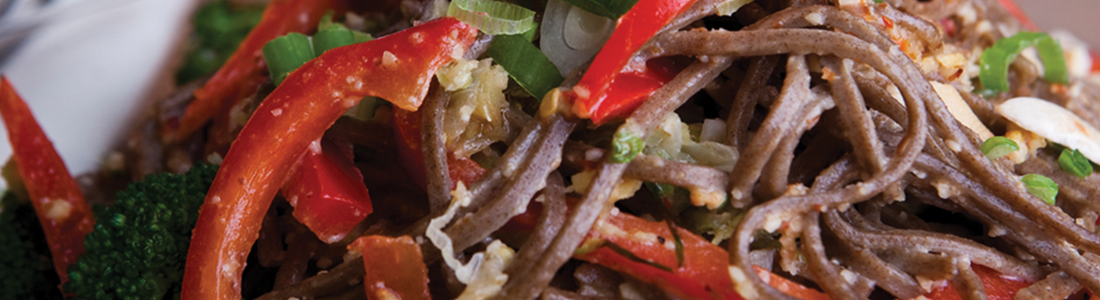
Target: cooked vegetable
point(327, 193)
point(395, 269)
point(1041, 186)
point(25, 267)
point(396, 68)
point(138, 247)
point(286, 53)
point(242, 72)
point(219, 28)
point(57, 199)
point(998, 146)
point(493, 17)
point(526, 64)
point(996, 59)
point(609, 89)
point(1075, 163)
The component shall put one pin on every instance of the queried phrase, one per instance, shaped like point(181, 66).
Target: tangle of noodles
point(844, 158)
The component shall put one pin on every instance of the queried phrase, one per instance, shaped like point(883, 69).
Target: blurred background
point(1082, 17)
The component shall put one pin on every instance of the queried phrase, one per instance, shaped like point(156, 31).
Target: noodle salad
point(584, 149)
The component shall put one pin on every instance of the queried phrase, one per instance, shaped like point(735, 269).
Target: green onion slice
point(286, 53)
point(493, 17)
point(526, 64)
point(995, 60)
point(612, 9)
point(625, 146)
point(1075, 163)
point(998, 146)
point(333, 36)
point(1041, 187)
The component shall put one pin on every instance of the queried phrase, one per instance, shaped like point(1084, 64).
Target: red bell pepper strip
point(593, 95)
point(56, 197)
point(406, 127)
point(243, 72)
point(789, 287)
point(997, 286)
point(397, 67)
point(394, 268)
point(328, 193)
point(704, 273)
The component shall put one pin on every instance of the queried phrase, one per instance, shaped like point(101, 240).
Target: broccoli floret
point(139, 244)
point(26, 271)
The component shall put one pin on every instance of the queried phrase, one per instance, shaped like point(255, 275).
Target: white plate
point(85, 76)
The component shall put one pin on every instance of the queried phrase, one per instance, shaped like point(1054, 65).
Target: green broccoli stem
point(139, 244)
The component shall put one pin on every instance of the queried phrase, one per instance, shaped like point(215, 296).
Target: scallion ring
point(493, 17)
point(528, 66)
point(1041, 186)
point(1075, 163)
point(998, 146)
point(286, 53)
point(996, 59)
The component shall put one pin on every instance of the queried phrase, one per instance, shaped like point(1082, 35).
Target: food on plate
point(579, 149)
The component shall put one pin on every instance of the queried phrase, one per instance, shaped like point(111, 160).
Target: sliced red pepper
point(328, 193)
point(395, 268)
point(406, 126)
point(789, 287)
point(704, 273)
point(1095, 63)
point(606, 90)
point(397, 67)
point(997, 286)
point(57, 200)
point(244, 71)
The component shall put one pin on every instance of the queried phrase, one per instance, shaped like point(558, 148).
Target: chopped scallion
point(1041, 187)
point(612, 9)
point(332, 36)
point(360, 37)
point(526, 64)
point(493, 17)
point(998, 146)
point(996, 59)
point(625, 146)
point(286, 53)
point(1075, 163)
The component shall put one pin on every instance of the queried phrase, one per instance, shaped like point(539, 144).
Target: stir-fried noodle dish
point(595, 149)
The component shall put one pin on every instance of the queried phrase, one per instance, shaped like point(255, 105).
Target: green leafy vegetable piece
point(1041, 187)
point(998, 146)
point(528, 66)
point(139, 244)
point(996, 59)
point(625, 146)
point(286, 53)
point(1075, 163)
point(493, 17)
point(219, 29)
point(26, 271)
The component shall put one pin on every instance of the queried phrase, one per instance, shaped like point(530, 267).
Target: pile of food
point(590, 149)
